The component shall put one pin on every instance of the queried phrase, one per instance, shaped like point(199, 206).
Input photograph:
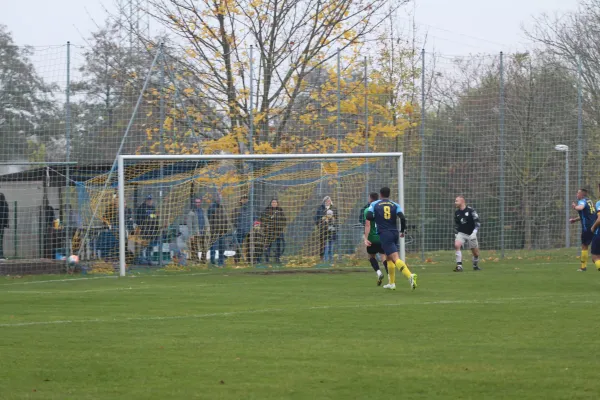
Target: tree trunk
point(231, 90)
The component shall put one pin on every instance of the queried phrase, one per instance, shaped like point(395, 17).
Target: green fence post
point(15, 225)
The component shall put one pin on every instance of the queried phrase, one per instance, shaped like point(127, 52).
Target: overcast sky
point(454, 27)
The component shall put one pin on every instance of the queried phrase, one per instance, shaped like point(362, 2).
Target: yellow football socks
point(392, 273)
point(403, 268)
point(584, 259)
point(597, 264)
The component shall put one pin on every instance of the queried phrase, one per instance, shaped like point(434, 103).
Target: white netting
point(467, 127)
point(188, 208)
point(169, 99)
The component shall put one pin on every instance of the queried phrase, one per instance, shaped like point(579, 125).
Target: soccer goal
point(295, 210)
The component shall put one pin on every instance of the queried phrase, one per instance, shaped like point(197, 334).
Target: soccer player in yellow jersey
point(375, 247)
point(595, 246)
point(385, 213)
point(587, 216)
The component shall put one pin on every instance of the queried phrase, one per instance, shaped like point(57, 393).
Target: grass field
point(521, 329)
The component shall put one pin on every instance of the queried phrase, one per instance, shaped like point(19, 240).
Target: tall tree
point(293, 38)
point(574, 37)
point(104, 95)
point(27, 109)
point(464, 147)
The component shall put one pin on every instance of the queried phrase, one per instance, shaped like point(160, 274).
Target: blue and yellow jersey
point(385, 213)
point(597, 232)
point(588, 214)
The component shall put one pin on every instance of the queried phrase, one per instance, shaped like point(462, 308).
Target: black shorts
point(586, 237)
point(595, 248)
point(389, 241)
point(375, 248)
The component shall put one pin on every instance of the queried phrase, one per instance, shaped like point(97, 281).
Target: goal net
point(264, 210)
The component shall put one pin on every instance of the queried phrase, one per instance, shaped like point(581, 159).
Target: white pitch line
point(267, 310)
point(58, 280)
point(107, 277)
point(119, 289)
point(149, 287)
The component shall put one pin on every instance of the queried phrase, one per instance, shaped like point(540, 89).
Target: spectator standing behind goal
point(330, 235)
point(273, 223)
point(111, 213)
point(111, 216)
point(242, 223)
point(147, 218)
point(466, 225)
point(48, 217)
point(219, 226)
point(147, 221)
point(3, 223)
point(254, 244)
point(322, 226)
point(197, 224)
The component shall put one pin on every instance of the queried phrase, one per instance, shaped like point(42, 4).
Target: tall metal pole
point(250, 110)
point(68, 157)
point(339, 145)
point(122, 232)
point(579, 125)
point(15, 228)
point(401, 200)
point(251, 151)
point(163, 65)
point(339, 104)
point(162, 102)
point(502, 183)
point(567, 209)
point(423, 185)
point(366, 129)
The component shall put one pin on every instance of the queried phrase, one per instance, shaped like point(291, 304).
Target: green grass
point(520, 329)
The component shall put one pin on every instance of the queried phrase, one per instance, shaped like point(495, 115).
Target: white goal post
point(122, 159)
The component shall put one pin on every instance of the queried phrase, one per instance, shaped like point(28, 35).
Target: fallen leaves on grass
point(102, 267)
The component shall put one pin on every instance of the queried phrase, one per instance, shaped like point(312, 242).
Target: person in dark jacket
point(111, 215)
point(322, 225)
point(147, 220)
point(3, 222)
point(219, 226)
point(198, 231)
point(48, 216)
point(254, 244)
point(273, 222)
point(242, 223)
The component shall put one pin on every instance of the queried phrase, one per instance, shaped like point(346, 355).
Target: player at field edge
point(375, 247)
point(385, 213)
point(466, 225)
point(588, 217)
